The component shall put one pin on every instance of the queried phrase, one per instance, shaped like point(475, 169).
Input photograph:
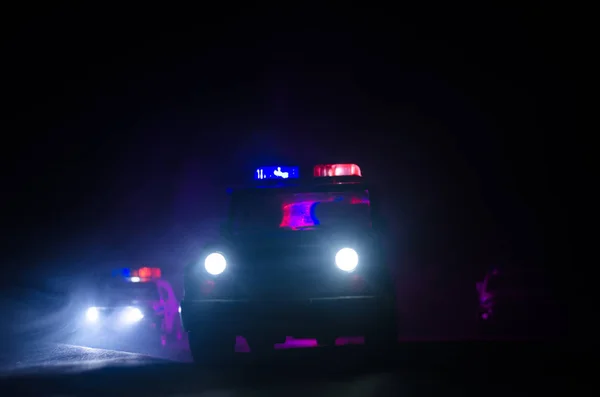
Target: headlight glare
point(346, 259)
point(92, 314)
point(132, 315)
point(215, 263)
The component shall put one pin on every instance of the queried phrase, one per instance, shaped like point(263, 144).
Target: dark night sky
point(123, 131)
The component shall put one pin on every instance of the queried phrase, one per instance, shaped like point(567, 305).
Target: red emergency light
point(333, 170)
point(142, 274)
point(149, 272)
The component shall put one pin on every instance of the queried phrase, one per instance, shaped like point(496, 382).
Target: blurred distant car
point(298, 257)
point(514, 302)
point(137, 303)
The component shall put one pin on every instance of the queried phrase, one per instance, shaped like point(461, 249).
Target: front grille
point(283, 286)
point(290, 278)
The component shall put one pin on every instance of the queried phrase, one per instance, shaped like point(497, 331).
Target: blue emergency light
point(142, 274)
point(278, 172)
point(124, 273)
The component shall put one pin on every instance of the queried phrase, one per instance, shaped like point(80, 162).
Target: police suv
point(134, 302)
point(297, 257)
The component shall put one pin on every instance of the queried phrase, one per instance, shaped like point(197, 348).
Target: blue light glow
point(313, 214)
point(121, 272)
point(276, 173)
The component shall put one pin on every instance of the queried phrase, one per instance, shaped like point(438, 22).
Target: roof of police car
point(315, 185)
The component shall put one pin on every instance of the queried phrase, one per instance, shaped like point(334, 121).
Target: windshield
point(269, 210)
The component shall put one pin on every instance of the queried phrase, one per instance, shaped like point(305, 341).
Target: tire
point(211, 348)
point(261, 347)
point(382, 337)
point(326, 340)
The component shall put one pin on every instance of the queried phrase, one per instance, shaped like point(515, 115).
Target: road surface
point(416, 368)
point(82, 354)
point(65, 358)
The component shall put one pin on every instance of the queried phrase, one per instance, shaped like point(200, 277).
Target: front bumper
point(350, 315)
point(111, 320)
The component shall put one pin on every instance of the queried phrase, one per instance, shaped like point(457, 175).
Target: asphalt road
point(81, 353)
point(44, 358)
point(415, 368)
point(109, 366)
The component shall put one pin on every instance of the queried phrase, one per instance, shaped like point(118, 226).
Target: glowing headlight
point(92, 314)
point(215, 263)
point(132, 315)
point(346, 259)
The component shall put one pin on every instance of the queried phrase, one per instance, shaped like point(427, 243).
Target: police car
point(134, 302)
point(297, 257)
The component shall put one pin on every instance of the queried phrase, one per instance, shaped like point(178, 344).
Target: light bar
point(276, 173)
point(149, 272)
point(139, 275)
point(331, 170)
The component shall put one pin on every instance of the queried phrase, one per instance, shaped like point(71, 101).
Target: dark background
point(123, 128)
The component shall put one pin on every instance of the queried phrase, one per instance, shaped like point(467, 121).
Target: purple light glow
point(301, 214)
